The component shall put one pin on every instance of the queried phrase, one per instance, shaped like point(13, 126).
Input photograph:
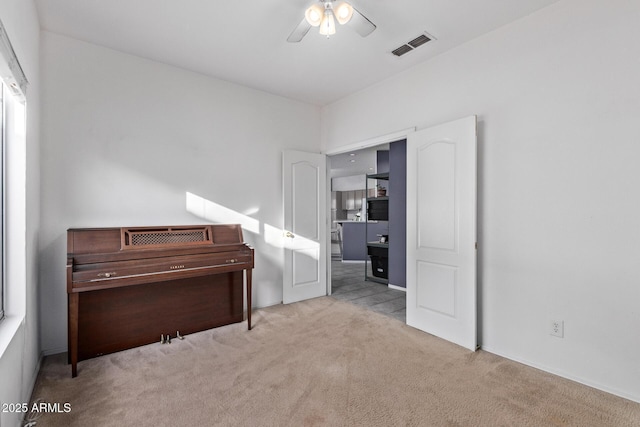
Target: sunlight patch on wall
point(273, 236)
point(251, 211)
point(211, 211)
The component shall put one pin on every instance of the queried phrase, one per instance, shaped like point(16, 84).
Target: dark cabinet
point(378, 210)
point(379, 254)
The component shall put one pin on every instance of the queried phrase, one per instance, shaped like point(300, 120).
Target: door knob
point(290, 235)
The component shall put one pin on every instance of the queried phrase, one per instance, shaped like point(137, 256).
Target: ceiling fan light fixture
point(328, 24)
point(314, 15)
point(324, 13)
point(343, 12)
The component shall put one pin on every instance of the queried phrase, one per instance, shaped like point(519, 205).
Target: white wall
point(558, 101)
point(127, 142)
point(20, 355)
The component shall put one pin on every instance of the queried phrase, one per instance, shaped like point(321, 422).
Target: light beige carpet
point(314, 363)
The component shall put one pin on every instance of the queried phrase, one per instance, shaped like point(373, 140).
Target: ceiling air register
point(413, 44)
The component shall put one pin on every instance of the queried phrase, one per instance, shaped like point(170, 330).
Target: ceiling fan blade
point(299, 32)
point(361, 23)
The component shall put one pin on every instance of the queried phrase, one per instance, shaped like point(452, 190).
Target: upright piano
point(128, 287)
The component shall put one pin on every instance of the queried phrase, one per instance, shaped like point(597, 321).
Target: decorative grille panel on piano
point(165, 237)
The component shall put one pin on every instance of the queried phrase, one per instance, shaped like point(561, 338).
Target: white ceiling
point(245, 42)
point(356, 162)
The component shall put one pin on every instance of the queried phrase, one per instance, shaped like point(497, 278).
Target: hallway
point(348, 284)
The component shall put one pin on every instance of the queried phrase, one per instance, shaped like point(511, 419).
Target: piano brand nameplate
point(119, 277)
point(123, 273)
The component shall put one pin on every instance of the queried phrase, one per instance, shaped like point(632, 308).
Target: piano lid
point(111, 244)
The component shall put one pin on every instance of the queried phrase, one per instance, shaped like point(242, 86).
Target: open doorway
point(367, 269)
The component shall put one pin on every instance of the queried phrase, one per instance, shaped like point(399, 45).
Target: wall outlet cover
point(556, 328)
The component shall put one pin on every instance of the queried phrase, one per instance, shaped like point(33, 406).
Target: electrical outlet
point(557, 328)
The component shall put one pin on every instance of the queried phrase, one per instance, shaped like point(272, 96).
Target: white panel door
point(441, 231)
point(305, 229)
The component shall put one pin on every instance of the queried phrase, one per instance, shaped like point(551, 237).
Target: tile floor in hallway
point(348, 284)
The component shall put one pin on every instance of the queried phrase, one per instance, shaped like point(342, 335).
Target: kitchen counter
point(354, 240)
point(378, 244)
point(344, 221)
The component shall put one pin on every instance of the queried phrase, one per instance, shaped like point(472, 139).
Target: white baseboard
point(397, 288)
point(269, 304)
point(34, 378)
point(561, 373)
point(51, 351)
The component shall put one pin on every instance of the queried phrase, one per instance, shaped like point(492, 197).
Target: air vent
point(405, 48)
point(419, 41)
point(409, 46)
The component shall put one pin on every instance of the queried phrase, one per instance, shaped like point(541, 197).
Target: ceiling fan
point(324, 14)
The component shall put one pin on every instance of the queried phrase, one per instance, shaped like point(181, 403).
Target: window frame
point(13, 114)
point(3, 193)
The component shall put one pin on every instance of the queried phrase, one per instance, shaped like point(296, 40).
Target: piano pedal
point(167, 339)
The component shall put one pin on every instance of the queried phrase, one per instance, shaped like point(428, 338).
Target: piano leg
point(73, 332)
point(248, 298)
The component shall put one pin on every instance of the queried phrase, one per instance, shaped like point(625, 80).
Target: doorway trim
point(371, 142)
point(367, 143)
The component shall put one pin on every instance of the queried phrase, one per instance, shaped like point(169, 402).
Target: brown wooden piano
point(127, 287)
